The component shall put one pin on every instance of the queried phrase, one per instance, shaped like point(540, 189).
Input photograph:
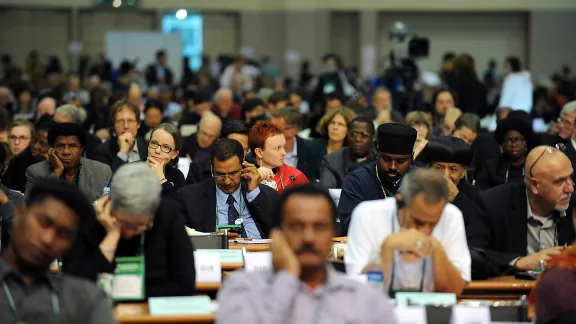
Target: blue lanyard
point(53, 297)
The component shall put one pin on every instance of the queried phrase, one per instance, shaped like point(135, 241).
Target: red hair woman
point(267, 143)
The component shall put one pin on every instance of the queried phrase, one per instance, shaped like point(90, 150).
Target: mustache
point(307, 248)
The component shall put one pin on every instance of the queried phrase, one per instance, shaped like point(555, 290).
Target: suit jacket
point(92, 144)
point(174, 181)
point(168, 251)
point(464, 200)
point(335, 166)
point(152, 77)
point(107, 152)
point(500, 224)
point(198, 203)
point(15, 176)
point(571, 153)
point(199, 171)
point(493, 173)
point(310, 154)
point(91, 181)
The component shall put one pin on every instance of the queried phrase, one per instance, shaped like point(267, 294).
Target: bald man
point(199, 144)
point(518, 224)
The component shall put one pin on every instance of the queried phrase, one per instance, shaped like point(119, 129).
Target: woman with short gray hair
point(134, 221)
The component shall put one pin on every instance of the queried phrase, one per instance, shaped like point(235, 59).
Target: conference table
point(137, 313)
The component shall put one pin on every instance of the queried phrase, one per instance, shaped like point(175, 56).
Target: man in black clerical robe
point(382, 178)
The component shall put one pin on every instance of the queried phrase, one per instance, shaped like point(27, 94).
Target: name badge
point(208, 268)
point(462, 314)
point(128, 283)
point(411, 315)
point(258, 261)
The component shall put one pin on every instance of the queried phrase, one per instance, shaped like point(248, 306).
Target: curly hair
point(260, 132)
point(347, 113)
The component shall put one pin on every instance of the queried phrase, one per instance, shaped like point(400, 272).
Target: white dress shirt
point(372, 221)
point(517, 92)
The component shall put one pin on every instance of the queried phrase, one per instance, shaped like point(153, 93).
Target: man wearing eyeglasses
point(125, 146)
point(65, 161)
point(233, 197)
point(335, 166)
point(518, 225)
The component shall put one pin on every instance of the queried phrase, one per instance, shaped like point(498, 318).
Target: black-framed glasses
point(164, 148)
point(550, 149)
point(358, 135)
point(222, 176)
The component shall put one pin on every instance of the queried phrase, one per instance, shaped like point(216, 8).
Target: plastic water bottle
point(106, 190)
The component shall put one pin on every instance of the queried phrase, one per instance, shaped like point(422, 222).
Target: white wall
point(220, 33)
point(484, 35)
point(24, 30)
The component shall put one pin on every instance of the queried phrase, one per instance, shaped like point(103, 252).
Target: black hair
point(448, 56)
point(160, 53)
point(234, 127)
point(250, 104)
point(5, 119)
point(224, 149)
point(62, 191)
point(515, 64)
point(67, 129)
point(310, 190)
point(276, 97)
point(444, 89)
point(154, 104)
point(363, 119)
point(44, 123)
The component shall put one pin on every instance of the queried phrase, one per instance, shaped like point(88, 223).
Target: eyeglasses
point(222, 176)
point(550, 149)
point(512, 141)
point(358, 135)
point(18, 138)
point(164, 148)
point(128, 122)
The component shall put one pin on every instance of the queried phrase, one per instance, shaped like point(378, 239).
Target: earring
point(260, 162)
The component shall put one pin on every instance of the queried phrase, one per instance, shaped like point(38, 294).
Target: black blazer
point(15, 176)
point(168, 251)
point(152, 78)
point(107, 152)
point(571, 154)
point(92, 144)
point(198, 203)
point(174, 181)
point(464, 200)
point(199, 171)
point(310, 153)
point(500, 224)
point(493, 173)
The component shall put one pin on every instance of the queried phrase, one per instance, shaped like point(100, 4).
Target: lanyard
point(384, 189)
point(391, 290)
point(508, 173)
point(53, 297)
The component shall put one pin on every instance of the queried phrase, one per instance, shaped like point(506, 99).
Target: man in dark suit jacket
point(335, 166)
point(233, 197)
point(159, 73)
point(125, 146)
point(518, 224)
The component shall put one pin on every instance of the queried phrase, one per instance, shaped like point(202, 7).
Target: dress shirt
point(373, 221)
point(80, 301)
point(541, 231)
point(132, 156)
point(292, 158)
point(517, 92)
point(241, 206)
point(279, 297)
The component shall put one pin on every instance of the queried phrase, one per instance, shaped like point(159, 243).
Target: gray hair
point(76, 115)
point(135, 190)
point(569, 108)
point(430, 182)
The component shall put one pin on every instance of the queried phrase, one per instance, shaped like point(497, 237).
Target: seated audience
point(382, 109)
point(253, 110)
point(420, 122)
point(518, 224)
point(163, 157)
point(335, 166)
point(153, 115)
point(37, 152)
point(514, 135)
point(267, 143)
point(73, 114)
point(198, 145)
point(382, 178)
point(442, 100)
point(134, 221)
point(21, 135)
point(302, 154)
point(233, 197)
point(44, 229)
point(555, 290)
point(451, 156)
point(67, 142)
point(417, 238)
point(125, 146)
point(200, 170)
point(334, 127)
point(9, 200)
point(224, 106)
point(198, 102)
point(301, 287)
point(467, 127)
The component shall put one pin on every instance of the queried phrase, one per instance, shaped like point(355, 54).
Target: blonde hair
point(418, 117)
point(347, 113)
